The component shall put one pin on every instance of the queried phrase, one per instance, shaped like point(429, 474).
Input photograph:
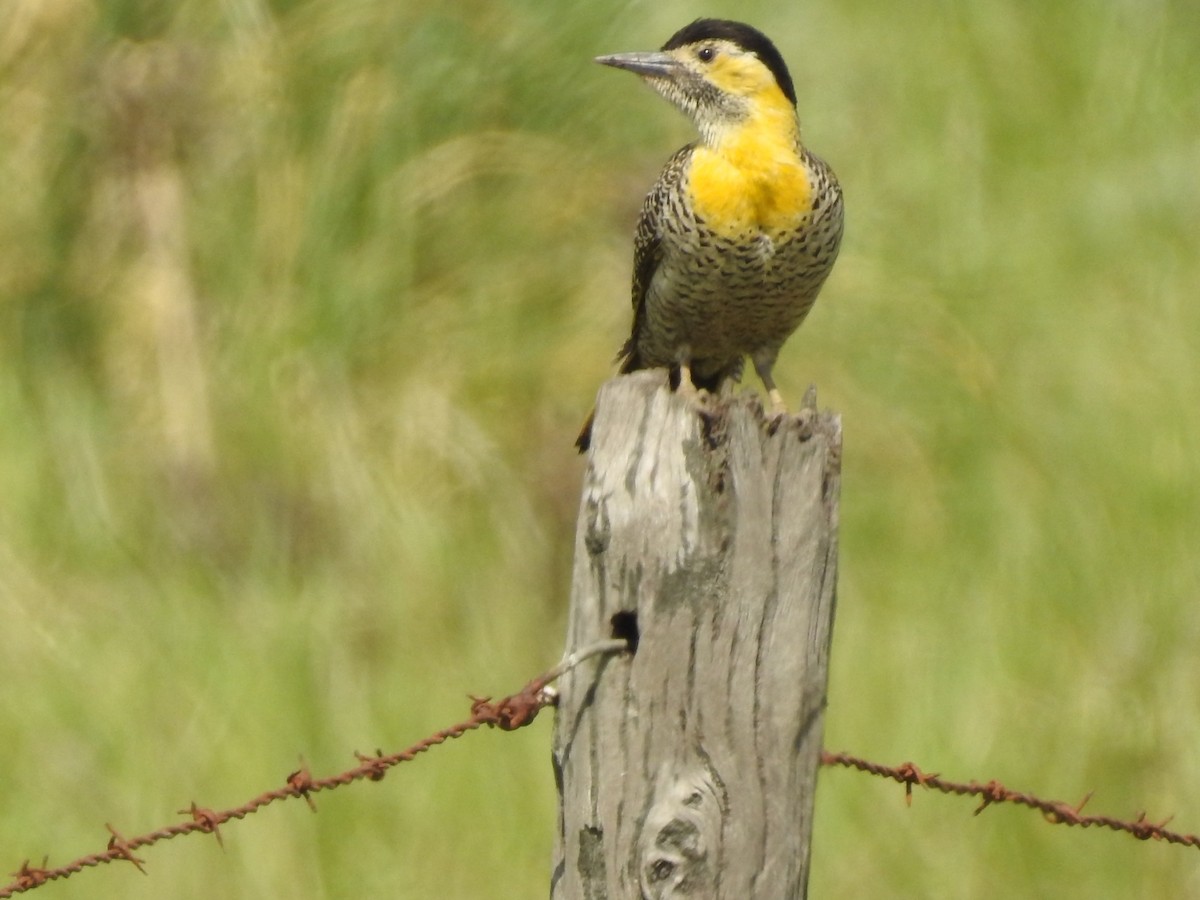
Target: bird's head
point(721, 74)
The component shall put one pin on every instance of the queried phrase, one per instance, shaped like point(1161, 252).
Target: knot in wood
point(679, 838)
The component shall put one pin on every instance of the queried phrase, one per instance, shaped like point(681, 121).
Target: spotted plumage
point(743, 226)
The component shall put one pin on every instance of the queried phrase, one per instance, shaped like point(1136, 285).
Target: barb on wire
point(1056, 812)
point(508, 714)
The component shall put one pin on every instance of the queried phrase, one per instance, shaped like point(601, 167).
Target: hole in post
point(625, 628)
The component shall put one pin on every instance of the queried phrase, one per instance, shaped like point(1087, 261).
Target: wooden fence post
point(688, 769)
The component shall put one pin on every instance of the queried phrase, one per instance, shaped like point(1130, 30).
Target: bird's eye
point(707, 54)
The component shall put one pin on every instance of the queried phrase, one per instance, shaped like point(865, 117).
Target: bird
point(739, 233)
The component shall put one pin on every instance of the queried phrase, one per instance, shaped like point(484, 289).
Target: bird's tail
point(585, 435)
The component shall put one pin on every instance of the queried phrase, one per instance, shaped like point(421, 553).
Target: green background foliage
point(302, 303)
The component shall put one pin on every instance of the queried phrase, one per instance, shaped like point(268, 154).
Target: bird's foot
point(778, 411)
point(778, 407)
point(802, 419)
point(687, 388)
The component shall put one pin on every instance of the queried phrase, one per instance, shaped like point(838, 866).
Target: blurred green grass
point(301, 304)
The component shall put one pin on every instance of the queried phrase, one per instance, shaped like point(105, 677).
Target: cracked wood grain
point(688, 770)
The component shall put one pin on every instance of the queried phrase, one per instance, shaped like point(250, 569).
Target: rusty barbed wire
point(512, 712)
point(520, 709)
point(1056, 812)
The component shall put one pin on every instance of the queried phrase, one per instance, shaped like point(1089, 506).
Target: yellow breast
point(751, 181)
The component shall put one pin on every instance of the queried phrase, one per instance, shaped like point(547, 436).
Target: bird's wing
point(647, 249)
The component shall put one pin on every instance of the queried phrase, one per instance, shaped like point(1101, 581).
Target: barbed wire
point(516, 711)
point(1056, 812)
point(513, 712)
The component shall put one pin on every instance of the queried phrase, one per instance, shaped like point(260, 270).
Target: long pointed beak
point(653, 64)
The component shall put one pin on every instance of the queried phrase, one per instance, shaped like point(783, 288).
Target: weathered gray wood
point(688, 769)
